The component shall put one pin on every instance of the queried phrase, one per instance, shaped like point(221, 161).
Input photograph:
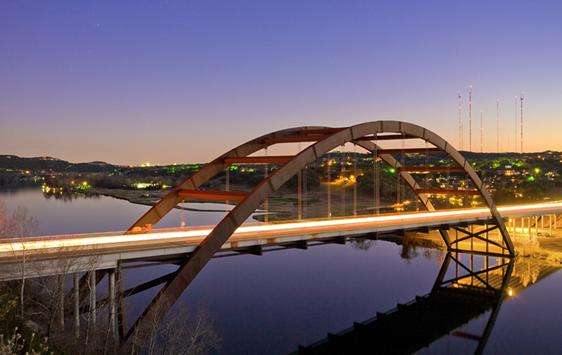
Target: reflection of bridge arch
point(452, 303)
point(324, 140)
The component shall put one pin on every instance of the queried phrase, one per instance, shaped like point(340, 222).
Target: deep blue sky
point(166, 81)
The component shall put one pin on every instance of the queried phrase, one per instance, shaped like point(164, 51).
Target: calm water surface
point(272, 303)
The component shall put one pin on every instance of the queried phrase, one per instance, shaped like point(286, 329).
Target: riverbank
point(146, 198)
point(282, 206)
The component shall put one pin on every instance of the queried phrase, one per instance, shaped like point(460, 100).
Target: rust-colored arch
point(326, 140)
point(210, 170)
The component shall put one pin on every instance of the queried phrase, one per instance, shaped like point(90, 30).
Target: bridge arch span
point(325, 140)
point(218, 165)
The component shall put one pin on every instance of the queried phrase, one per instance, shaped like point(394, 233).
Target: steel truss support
point(481, 235)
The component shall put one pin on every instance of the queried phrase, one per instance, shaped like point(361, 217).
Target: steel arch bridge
point(323, 140)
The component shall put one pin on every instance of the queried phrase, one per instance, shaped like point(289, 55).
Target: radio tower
point(481, 131)
point(470, 118)
point(459, 114)
point(516, 124)
point(521, 129)
point(498, 125)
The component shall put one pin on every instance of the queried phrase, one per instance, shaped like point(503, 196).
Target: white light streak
point(104, 240)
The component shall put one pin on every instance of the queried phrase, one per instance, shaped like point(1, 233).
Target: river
point(273, 303)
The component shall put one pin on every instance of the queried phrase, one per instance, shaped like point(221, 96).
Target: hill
point(45, 164)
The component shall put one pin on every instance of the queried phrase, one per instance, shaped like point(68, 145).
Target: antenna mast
point(459, 117)
point(521, 122)
point(470, 118)
point(516, 124)
point(481, 131)
point(498, 125)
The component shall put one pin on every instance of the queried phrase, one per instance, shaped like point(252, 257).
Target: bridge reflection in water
point(466, 287)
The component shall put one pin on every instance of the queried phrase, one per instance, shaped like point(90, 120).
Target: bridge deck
point(109, 248)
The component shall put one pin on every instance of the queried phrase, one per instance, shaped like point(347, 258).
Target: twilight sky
point(182, 81)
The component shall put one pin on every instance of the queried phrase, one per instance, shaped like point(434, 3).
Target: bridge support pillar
point(76, 289)
point(120, 301)
point(329, 188)
point(61, 302)
point(112, 308)
point(299, 195)
point(92, 286)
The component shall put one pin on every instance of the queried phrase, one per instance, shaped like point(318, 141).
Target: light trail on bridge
point(195, 235)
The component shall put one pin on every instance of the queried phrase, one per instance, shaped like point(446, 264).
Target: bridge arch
point(325, 140)
point(218, 165)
